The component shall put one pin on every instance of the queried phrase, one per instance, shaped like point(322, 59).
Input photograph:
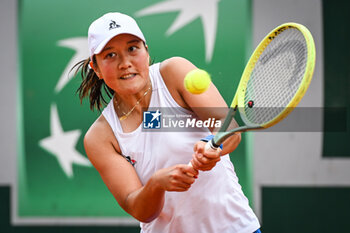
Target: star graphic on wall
point(80, 46)
point(190, 10)
point(62, 145)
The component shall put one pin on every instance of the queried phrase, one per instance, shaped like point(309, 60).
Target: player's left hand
point(204, 160)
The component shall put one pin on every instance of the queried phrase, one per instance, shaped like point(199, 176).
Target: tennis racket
point(274, 81)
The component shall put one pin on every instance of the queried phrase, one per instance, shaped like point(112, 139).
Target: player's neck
point(127, 105)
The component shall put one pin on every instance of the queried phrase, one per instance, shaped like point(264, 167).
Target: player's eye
point(132, 48)
point(110, 55)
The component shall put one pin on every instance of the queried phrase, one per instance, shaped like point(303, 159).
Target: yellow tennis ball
point(197, 81)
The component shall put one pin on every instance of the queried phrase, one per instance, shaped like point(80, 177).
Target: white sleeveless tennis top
point(215, 203)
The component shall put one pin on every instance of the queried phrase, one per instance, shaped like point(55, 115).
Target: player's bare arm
point(144, 202)
point(209, 104)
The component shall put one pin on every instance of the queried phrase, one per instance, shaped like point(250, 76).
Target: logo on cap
point(113, 25)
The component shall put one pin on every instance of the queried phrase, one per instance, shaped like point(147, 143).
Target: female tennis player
point(148, 172)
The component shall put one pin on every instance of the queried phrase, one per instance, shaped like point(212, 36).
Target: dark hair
point(91, 85)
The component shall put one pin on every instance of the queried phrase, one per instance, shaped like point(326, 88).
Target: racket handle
point(211, 146)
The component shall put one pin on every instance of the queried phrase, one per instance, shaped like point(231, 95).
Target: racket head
point(276, 76)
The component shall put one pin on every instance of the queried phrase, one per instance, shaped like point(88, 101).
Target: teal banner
point(55, 178)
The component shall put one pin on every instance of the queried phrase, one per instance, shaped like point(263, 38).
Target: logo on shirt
point(152, 119)
point(130, 160)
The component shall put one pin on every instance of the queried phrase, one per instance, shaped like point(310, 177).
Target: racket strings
point(276, 77)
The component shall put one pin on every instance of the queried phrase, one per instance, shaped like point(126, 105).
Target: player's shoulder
point(98, 133)
point(174, 69)
point(174, 63)
point(101, 146)
point(173, 72)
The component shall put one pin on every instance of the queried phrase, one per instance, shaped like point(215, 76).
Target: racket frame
point(238, 101)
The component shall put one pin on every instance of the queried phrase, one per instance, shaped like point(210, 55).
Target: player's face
point(124, 64)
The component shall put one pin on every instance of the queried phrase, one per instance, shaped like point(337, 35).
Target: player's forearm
point(146, 203)
point(231, 144)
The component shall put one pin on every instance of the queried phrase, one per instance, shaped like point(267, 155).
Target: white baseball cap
point(103, 29)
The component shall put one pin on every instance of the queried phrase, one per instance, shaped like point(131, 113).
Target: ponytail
point(92, 86)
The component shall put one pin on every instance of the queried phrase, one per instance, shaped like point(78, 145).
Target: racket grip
point(211, 146)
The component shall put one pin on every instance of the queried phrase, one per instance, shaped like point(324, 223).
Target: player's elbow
point(143, 211)
point(147, 219)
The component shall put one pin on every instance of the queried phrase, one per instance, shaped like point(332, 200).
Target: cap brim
point(105, 41)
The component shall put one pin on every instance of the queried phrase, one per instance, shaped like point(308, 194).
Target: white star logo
point(62, 145)
point(80, 46)
point(156, 115)
point(190, 10)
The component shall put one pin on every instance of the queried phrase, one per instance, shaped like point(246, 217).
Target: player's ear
point(96, 70)
point(91, 64)
point(146, 46)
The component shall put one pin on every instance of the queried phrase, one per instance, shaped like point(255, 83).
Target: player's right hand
point(204, 160)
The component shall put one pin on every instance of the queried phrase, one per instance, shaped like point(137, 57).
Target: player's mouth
point(127, 76)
